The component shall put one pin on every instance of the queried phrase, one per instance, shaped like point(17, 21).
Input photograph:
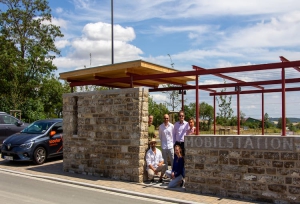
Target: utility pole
point(112, 31)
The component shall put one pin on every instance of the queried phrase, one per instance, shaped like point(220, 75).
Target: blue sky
point(207, 33)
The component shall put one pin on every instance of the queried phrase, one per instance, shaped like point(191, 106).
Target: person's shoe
point(160, 180)
point(182, 183)
point(152, 180)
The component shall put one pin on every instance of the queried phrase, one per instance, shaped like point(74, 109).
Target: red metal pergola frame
point(198, 71)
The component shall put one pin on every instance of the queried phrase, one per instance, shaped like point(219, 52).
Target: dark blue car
point(37, 142)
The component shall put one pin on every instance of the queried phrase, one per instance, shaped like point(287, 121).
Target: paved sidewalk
point(53, 170)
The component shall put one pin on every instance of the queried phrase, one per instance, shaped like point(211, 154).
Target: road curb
point(151, 196)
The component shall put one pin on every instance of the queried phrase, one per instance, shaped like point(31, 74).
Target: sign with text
point(243, 142)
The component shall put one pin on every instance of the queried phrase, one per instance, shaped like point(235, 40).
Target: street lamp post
point(112, 31)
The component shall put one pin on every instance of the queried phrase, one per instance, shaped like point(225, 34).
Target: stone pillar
point(105, 133)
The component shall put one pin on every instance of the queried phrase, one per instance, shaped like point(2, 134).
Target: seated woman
point(177, 173)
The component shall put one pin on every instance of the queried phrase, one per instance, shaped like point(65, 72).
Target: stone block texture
point(105, 133)
point(258, 168)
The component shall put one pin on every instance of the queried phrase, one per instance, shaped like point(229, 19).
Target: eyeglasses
point(166, 118)
point(181, 115)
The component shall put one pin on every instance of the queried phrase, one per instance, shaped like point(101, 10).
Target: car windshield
point(38, 127)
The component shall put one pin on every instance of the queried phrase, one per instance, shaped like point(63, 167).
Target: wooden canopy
point(121, 75)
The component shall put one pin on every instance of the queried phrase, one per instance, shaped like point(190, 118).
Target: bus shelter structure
point(140, 73)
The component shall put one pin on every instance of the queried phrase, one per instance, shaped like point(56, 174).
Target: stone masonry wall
point(261, 168)
point(105, 133)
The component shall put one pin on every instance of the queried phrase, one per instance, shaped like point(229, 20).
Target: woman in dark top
point(177, 173)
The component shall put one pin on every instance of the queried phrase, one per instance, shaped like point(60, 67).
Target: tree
point(50, 95)
point(173, 97)
point(190, 111)
point(268, 124)
point(225, 110)
point(27, 50)
point(279, 124)
point(206, 113)
point(243, 118)
point(157, 110)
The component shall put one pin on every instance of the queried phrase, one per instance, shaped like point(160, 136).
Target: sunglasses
point(181, 116)
point(166, 118)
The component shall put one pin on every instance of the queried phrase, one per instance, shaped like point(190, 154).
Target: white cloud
point(59, 10)
point(159, 98)
point(82, 4)
point(275, 32)
point(197, 29)
point(102, 31)
point(93, 48)
point(60, 44)
point(57, 21)
point(60, 22)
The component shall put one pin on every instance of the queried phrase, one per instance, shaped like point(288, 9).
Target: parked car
point(37, 142)
point(9, 125)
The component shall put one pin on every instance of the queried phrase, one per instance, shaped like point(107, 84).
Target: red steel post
point(197, 106)
point(238, 111)
point(214, 114)
point(182, 100)
point(262, 114)
point(283, 103)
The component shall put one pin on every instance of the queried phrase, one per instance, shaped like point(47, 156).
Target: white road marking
point(87, 188)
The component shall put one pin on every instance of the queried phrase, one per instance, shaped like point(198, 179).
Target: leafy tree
point(206, 112)
point(279, 124)
point(27, 49)
point(225, 110)
point(292, 127)
point(268, 124)
point(157, 110)
point(190, 111)
point(243, 118)
point(50, 95)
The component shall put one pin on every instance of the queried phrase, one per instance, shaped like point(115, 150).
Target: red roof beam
point(179, 88)
point(283, 59)
point(277, 65)
point(254, 91)
point(209, 86)
point(204, 72)
point(226, 77)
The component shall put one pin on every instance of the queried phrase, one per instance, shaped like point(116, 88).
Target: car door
point(11, 126)
point(56, 141)
point(3, 134)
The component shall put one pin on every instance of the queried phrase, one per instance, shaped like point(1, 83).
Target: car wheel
point(39, 155)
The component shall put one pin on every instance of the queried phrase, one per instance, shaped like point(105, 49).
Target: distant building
point(252, 120)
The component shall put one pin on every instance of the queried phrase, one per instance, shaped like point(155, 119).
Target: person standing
point(192, 128)
point(166, 131)
point(151, 128)
point(155, 162)
point(180, 129)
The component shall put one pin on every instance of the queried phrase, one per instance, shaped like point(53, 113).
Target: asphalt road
point(25, 189)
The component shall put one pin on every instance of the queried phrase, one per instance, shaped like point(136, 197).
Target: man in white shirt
point(166, 131)
point(155, 162)
point(180, 129)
